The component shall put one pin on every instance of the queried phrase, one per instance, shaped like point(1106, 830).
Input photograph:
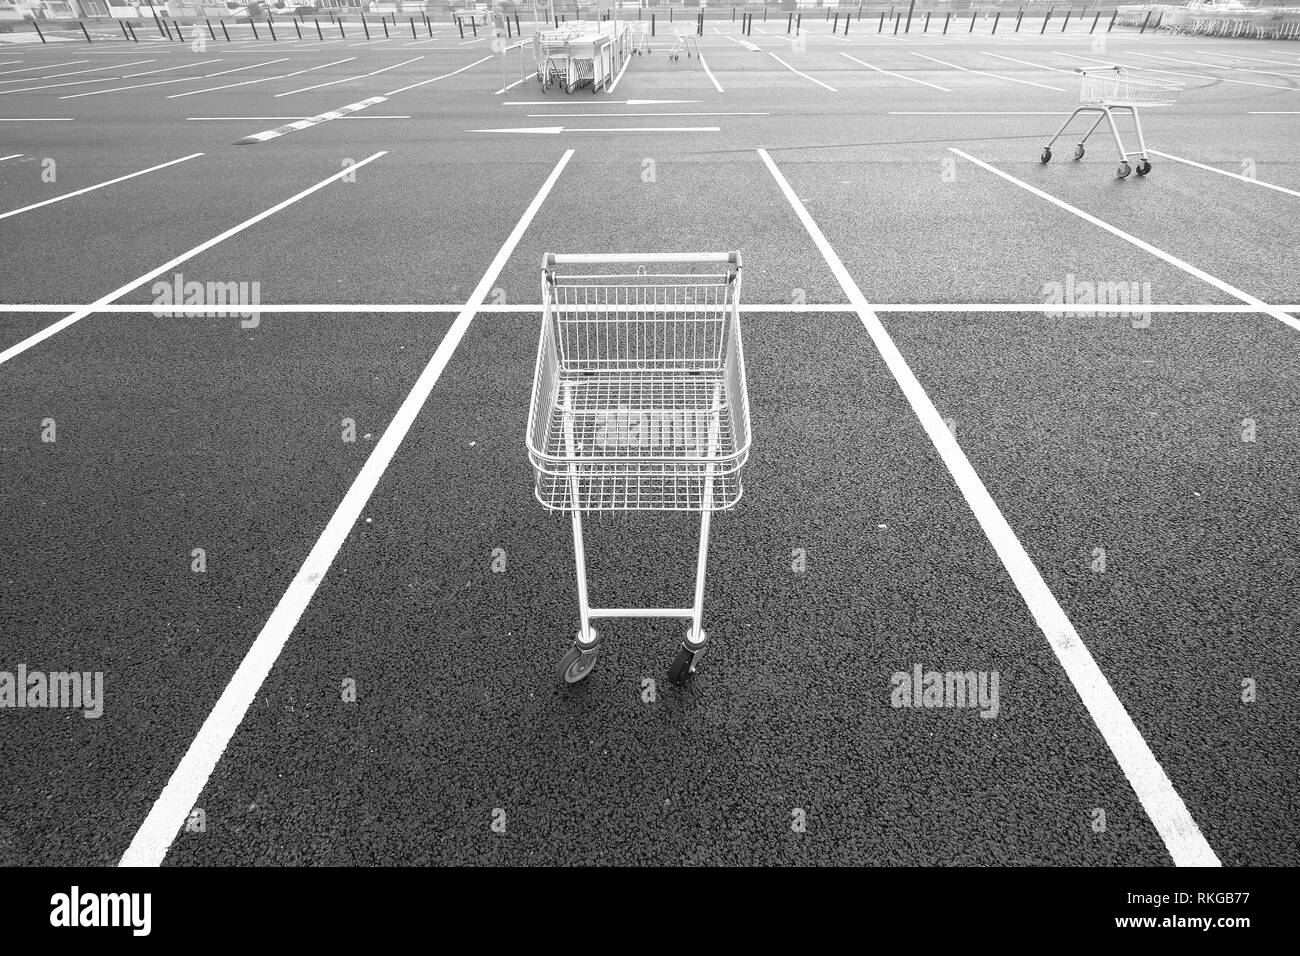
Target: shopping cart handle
point(553, 259)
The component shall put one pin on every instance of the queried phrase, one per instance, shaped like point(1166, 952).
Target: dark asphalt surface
point(176, 433)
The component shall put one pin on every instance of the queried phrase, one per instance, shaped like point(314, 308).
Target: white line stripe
point(1224, 172)
point(996, 76)
point(47, 66)
point(110, 182)
point(168, 69)
point(348, 79)
point(98, 69)
point(798, 73)
point(1213, 66)
point(1037, 66)
point(310, 121)
point(626, 62)
point(240, 69)
point(10, 156)
point(901, 76)
point(260, 79)
point(506, 89)
point(1238, 57)
point(1195, 76)
point(137, 86)
point(151, 842)
point(1161, 801)
point(435, 79)
point(80, 314)
point(1141, 244)
point(709, 73)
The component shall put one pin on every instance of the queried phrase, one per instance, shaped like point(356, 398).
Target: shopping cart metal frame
point(683, 44)
point(1116, 89)
point(615, 351)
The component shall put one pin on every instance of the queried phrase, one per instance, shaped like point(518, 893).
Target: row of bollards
point(794, 23)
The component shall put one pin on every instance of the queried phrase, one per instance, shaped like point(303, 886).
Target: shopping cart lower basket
point(639, 404)
point(1116, 88)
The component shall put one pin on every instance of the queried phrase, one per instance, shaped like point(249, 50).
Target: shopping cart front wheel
point(578, 661)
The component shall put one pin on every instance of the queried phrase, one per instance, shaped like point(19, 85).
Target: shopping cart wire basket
point(1113, 89)
point(639, 404)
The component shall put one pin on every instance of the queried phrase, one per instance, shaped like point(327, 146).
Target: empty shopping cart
point(639, 404)
point(1116, 88)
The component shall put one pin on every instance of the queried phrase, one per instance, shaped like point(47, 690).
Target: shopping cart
point(639, 404)
point(551, 54)
point(683, 44)
point(638, 39)
point(1116, 88)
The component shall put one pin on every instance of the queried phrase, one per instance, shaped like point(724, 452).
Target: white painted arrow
point(553, 130)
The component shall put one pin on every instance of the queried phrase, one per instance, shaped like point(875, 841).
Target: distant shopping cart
point(684, 43)
point(1117, 89)
point(639, 404)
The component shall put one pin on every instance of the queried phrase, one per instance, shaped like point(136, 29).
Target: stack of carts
point(552, 54)
point(639, 404)
point(1116, 88)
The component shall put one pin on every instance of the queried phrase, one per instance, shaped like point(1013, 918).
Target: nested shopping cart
point(1117, 89)
point(639, 404)
point(551, 54)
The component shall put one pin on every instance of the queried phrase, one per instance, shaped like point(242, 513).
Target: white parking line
point(996, 76)
point(110, 182)
point(310, 121)
point(349, 79)
point(241, 69)
point(901, 76)
point(1224, 172)
point(1181, 836)
point(714, 80)
point(1037, 66)
point(166, 817)
point(435, 79)
point(168, 69)
point(1173, 260)
point(97, 69)
point(1212, 66)
point(80, 314)
point(1252, 59)
point(260, 79)
point(1196, 76)
point(47, 66)
point(614, 85)
point(799, 73)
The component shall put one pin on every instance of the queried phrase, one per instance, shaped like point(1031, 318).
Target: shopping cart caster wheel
point(1046, 157)
point(578, 661)
point(1144, 167)
point(684, 664)
point(1124, 170)
point(1078, 152)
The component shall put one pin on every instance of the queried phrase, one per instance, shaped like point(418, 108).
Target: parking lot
point(965, 457)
